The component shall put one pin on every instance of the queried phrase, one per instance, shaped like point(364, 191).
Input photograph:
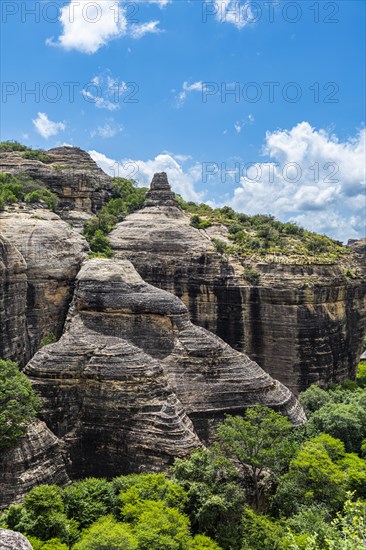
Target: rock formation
point(11, 540)
point(36, 459)
point(119, 387)
point(14, 342)
point(303, 324)
point(52, 254)
point(81, 186)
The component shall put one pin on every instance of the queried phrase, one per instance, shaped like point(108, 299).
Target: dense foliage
point(263, 236)
point(264, 485)
point(18, 404)
point(23, 188)
point(27, 152)
point(126, 198)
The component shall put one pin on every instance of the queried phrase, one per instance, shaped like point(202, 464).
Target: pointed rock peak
point(160, 193)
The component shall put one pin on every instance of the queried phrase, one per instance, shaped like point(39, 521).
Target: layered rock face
point(131, 373)
point(14, 341)
point(81, 186)
point(11, 540)
point(35, 460)
point(52, 254)
point(303, 324)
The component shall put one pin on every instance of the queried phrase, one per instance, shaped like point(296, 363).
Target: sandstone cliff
point(35, 460)
point(131, 373)
point(303, 324)
point(14, 341)
point(81, 186)
point(40, 280)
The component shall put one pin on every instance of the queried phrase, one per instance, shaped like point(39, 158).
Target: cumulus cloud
point(313, 178)
point(46, 127)
point(182, 181)
point(87, 26)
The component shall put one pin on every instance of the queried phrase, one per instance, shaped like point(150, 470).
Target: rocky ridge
point(132, 381)
point(303, 324)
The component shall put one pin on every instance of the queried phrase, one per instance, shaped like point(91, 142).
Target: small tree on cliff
point(18, 404)
point(258, 442)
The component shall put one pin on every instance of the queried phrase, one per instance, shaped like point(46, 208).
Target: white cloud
point(105, 91)
point(239, 125)
point(182, 181)
point(236, 13)
point(187, 89)
point(46, 127)
point(88, 26)
point(138, 31)
point(313, 179)
point(108, 130)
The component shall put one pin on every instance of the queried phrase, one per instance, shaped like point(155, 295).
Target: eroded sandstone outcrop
point(80, 185)
point(130, 373)
point(302, 323)
point(11, 540)
point(36, 459)
point(52, 253)
point(14, 342)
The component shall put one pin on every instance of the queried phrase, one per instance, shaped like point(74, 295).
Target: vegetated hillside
point(265, 485)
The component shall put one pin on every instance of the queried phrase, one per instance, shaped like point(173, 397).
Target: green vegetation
point(27, 152)
point(18, 404)
point(251, 275)
point(127, 198)
point(264, 485)
point(22, 188)
point(263, 236)
point(50, 339)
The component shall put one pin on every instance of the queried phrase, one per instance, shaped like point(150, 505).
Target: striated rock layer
point(11, 540)
point(303, 324)
point(35, 460)
point(14, 342)
point(50, 254)
point(81, 186)
point(131, 373)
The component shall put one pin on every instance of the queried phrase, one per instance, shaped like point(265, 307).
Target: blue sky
point(148, 94)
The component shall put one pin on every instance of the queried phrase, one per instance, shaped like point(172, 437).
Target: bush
point(88, 500)
point(22, 187)
point(8, 146)
point(107, 534)
point(47, 340)
point(18, 404)
point(252, 276)
point(220, 246)
point(37, 154)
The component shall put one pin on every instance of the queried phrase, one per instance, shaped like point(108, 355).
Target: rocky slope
point(81, 186)
point(36, 459)
point(303, 324)
point(131, 373)
point(40, 280)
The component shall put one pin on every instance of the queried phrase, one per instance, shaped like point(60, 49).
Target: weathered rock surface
point(303, 324)
point(11, 540)
point(119, 384)
point(53, 253)
point(35, 460)
point(14, 342)
point(81, 186)
point(358, 246)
